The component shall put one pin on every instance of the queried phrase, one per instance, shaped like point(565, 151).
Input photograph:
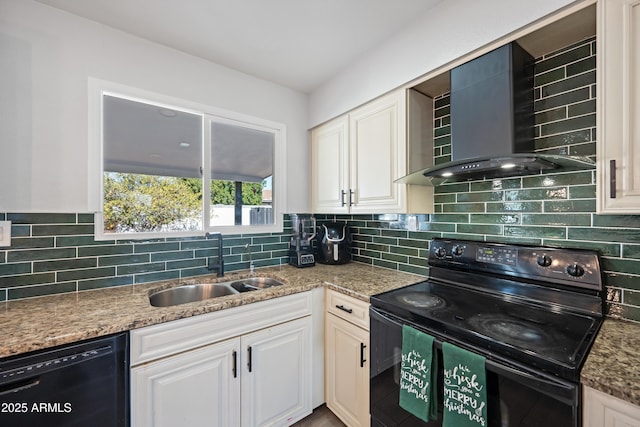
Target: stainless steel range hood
point(492, 123)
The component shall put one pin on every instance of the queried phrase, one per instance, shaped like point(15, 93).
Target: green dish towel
point(465, 388)
point(418, 391)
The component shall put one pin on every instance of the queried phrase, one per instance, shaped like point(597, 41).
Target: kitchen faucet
point(251, 266)
point(218, 266)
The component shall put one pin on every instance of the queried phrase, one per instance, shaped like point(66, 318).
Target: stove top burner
point(421, 300)
point(529, 304)
point(512, 331)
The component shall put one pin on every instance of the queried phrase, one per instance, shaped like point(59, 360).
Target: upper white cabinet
point(377, 155)
point(603, 410)
point(356, 158)
point(330, 166)
point(618, 127)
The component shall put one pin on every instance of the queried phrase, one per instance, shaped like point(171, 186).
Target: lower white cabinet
point(276, 380)
point(603, 410)
point(196, 388)
point(347, 359)
point(258, 378)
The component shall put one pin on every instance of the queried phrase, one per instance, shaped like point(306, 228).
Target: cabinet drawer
point(157, 341)
point(348, 308)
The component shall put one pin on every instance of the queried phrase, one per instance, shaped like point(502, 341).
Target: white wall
point(451, 29)
point(46, 58)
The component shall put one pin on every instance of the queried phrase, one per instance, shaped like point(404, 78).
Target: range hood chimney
point(492, 123)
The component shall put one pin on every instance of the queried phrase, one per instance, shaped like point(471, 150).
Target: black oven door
point(515, 396)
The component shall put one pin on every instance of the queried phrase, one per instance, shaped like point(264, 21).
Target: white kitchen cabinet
point(196, 388)
point(243, 366)
point(276, 379)
point(330, 166)
point(377, 155)
point(347, 359)
point(356, 158)
point(603, 410)
point(618, 97)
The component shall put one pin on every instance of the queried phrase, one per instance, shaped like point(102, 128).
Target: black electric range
point(531, 311)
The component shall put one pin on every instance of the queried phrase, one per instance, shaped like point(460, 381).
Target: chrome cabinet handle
point(249, 357)
point(342, 202)
point(351, 192)
point(612, 179)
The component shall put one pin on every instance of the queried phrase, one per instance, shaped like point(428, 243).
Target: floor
point(321, 417)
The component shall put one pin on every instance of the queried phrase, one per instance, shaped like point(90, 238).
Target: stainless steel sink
point(254, 283)
point(189, 293)
point(203, 291)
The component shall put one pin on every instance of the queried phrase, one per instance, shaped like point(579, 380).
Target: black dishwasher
point(80, 384)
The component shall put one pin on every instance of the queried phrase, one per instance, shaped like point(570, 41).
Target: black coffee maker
point(333, 243)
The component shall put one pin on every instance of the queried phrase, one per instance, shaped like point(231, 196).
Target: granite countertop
point(38, 323)
point(613, 365)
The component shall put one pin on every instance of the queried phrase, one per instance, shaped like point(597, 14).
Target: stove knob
point(575, 270)
point(456, 250)
point(544, 260)
point(440, 252)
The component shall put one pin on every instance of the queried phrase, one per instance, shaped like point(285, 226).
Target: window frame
point(98, 88)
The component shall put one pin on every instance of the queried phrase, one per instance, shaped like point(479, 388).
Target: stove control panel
point(497, 255)
point(574, 267)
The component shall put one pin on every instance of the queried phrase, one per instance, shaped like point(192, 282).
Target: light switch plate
point(5, 233)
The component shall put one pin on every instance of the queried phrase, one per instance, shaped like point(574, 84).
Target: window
point(173, 168)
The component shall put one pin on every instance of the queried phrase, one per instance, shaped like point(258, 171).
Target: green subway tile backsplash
point(622, 221)
point(42, 218)
point(556, 219)
point(631, 251)
point(68, 264)
point(555, 209)
point(36, 291)
point(40, 254)
point(27, 279)
point(55, 253)
point(563, 99)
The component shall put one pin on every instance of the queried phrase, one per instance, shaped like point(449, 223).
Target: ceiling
point(296, 43)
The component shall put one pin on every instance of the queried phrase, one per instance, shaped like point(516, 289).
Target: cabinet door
point(276, 374)
point(618, 98)
point(602, 410)
point(347, 371)
point(378, 155)
point(329, 167)
point(196, 388)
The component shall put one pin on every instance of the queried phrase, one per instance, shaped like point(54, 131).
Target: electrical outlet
point(412, 223)
point(5, 233)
